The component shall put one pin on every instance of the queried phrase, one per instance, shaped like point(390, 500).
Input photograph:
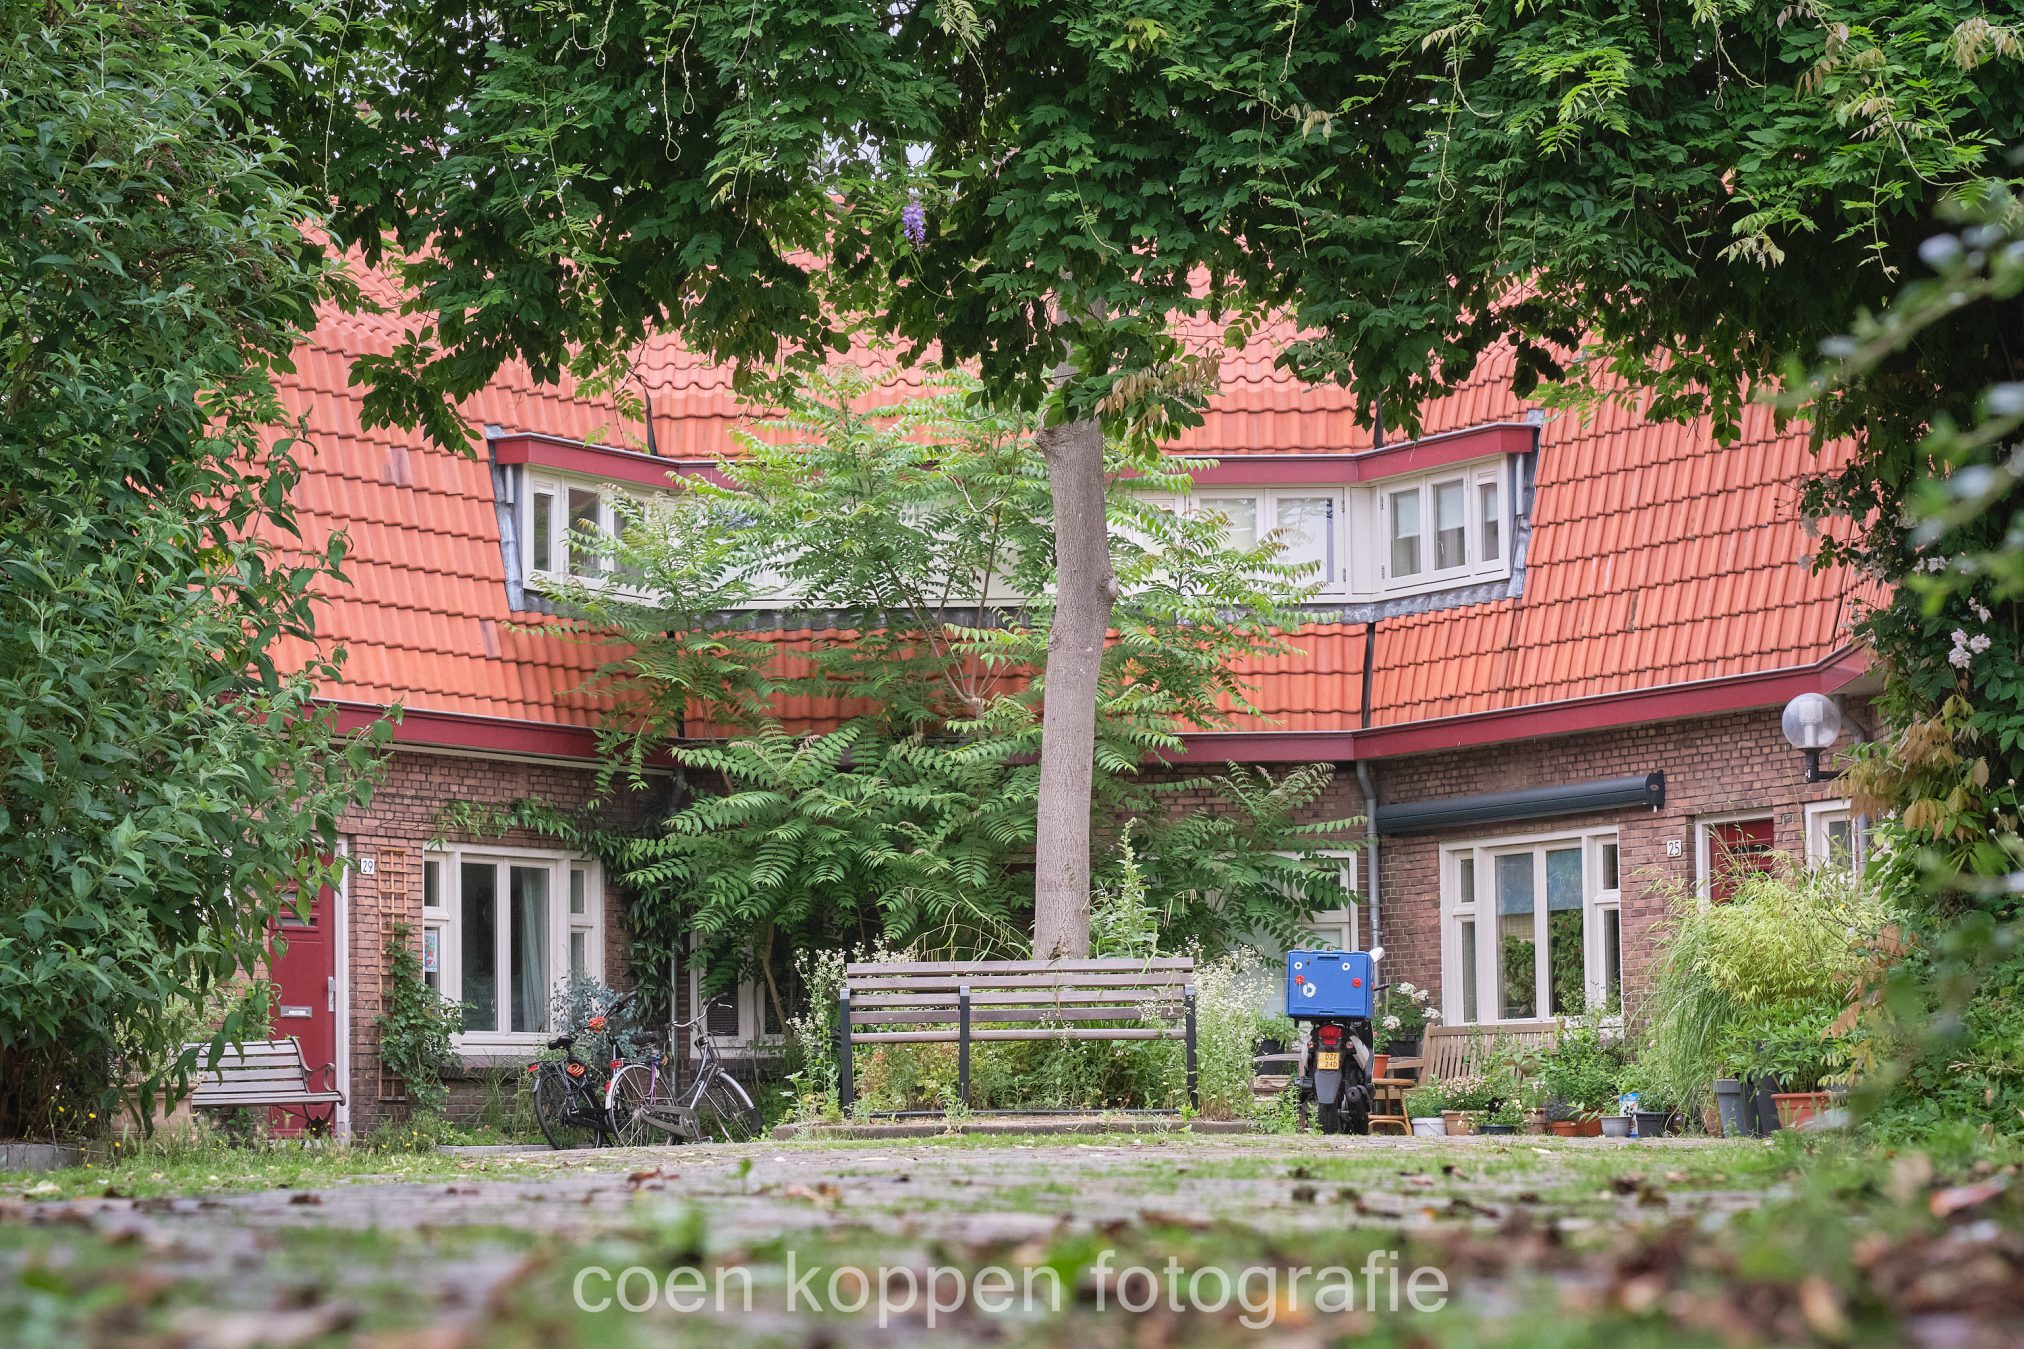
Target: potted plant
point(1505, 1118)
point(1424, 1107)
point(1469, 1098)
point(1582, 1073)
point(1784, 1048)
point(1403, 1017)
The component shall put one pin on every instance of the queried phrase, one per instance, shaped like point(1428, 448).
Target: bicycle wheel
point(626, 1101)
point(724, 1113)
point(558, 1108)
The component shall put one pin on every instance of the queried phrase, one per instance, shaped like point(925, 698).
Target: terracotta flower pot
point(1459, 1122)
point(1379, 1064)
point(1565, 1128)
point(1797, 1107)
point(1537, 1123)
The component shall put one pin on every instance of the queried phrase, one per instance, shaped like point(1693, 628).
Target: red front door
point(304, 970)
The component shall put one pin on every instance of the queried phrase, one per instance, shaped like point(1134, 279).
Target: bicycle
point(713, 1108)
point(567, 1104)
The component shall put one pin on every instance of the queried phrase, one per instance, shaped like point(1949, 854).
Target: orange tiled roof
point(1657, 557)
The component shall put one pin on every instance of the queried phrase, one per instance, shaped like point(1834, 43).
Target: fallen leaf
point(1303, 1194)
point(1960, 1197)
point(1822, 1306)
point(306, 1197)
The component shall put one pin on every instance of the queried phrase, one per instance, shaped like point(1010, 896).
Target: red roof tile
point(1657, 556)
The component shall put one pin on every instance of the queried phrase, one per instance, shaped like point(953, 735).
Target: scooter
point(1333, 992)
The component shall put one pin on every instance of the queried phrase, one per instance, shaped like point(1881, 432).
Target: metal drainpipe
point(1364, 780)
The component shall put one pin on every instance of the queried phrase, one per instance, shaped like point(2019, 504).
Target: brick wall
point(1714, 766)
point(404, 817)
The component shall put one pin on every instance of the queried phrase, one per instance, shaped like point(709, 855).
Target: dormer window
point(1363, 541)
point(1442, 529)
point(568, 530)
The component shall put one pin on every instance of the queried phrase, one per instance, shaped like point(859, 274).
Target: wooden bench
point(1449, 1052)
point(965, 1002)
point(265, 1073)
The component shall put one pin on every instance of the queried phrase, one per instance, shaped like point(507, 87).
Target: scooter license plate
point(1328, 1060)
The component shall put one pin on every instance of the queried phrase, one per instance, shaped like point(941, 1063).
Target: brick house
point(1550, 652)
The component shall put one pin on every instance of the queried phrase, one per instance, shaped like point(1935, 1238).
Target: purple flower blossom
point(914, 220)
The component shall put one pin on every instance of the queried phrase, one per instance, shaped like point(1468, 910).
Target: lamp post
point(1812, 723)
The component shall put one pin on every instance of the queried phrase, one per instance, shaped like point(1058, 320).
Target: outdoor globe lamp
point(1812, 722)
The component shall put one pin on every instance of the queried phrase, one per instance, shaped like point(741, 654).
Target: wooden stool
point(1388, 1105)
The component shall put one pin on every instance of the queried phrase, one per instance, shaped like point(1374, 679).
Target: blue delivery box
point(1328, 984)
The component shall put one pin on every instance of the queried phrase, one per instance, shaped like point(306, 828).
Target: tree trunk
point(1084, 591)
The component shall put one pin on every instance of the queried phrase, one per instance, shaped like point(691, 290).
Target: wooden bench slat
point(1012, 997)
point(1003, 1014)
point(1111, 966)
point(1070, 1033)
point(929, 983)
point(257, 1073)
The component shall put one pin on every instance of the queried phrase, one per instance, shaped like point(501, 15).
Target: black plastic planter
point(1654, 1123)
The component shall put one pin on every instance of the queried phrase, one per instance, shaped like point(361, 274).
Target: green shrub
point(415, 1026)
point(1429, 1098)
point(1584, 1071)
point(1788, 936)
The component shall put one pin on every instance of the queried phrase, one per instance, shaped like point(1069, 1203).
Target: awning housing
point(1527, 803)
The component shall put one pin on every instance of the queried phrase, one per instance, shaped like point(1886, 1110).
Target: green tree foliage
point(1951, 642)
point(164, 785)
point(1039, 193)
point(908, 524)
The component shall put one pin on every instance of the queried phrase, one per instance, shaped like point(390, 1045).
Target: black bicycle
point(642, 1101)
point(569, 1094)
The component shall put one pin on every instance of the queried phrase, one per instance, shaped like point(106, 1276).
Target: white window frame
point(1346, 918)
point(1332, 576)
point(1704, 848)
point(445, 918)
point(1819, 815)
point(1474, 566)
point(749, 998)
point(1479, 908)
point(609, 517)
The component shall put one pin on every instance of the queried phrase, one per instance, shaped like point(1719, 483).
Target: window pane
point(527, 951)
point(432, 883)
point(478, 919)
point(1240, 514)
point(723, 1017)
point(1465, 881)
point(1405, 533)
point(1493, 520)
point(1305, 525)
point(1517, 937)
point(432, 958)
point(544, 531)
point(1609, 863)
point(1564, 955)
point(1841, 842)
point(1612, 961)
point(1734, 850)
point(579, 952)
point(579, 891)
point(1451, 525)
point(1468, 971)
point(584, 513)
